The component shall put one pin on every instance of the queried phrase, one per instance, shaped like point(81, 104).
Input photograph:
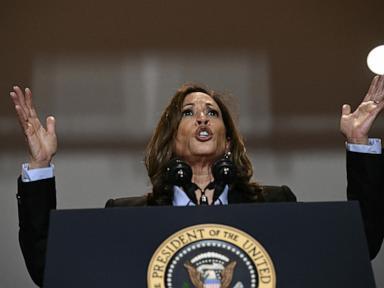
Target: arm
point(364, 171)
point(36, 198)
point(365, 184)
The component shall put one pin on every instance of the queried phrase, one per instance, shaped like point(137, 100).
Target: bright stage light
point(375, 60)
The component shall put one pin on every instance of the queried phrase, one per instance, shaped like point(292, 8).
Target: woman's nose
point(202, 119)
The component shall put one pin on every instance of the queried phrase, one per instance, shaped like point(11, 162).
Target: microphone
point(223, 170)
point(178, 173)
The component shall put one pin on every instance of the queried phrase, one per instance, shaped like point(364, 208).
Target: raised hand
point(42, 142)
point(355, 126)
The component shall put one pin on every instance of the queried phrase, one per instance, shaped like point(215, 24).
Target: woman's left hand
point(355, 126)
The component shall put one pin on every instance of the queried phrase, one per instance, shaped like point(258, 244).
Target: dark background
point(315, 54)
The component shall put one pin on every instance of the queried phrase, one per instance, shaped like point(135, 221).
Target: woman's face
point(201, 134)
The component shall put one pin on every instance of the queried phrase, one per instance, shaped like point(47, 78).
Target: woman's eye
point(213, 113)
point(187, 112)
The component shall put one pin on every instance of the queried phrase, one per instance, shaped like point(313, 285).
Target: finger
point(20, 98)
point(35, 123)
point(379, 107)
point(21, 117)
point(371, 110)
point(346, 109)
point(51, 124)
point(30, 110)
point(20, 95)
point(15, 99)
point(21, 113)
point(29, 103)
point(30, 133)
point(372, 89)
point(380, 89)
point(378, 94)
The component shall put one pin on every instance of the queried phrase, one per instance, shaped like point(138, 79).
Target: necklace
point(203, 197)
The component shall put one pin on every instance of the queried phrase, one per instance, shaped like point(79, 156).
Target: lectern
point(248, 245)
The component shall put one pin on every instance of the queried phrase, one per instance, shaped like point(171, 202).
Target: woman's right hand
point(42, 142)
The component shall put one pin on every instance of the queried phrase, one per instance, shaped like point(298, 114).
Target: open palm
point(355, 125)
point(42, 142)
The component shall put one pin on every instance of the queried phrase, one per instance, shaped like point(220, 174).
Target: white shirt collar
point(180, 198)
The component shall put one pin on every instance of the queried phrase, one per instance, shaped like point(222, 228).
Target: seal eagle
point(208, 278)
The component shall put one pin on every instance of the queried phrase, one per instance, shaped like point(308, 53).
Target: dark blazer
point(270, 194)
point(365, 178)
point(36, 199)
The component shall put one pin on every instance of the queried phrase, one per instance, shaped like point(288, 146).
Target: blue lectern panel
point(310, 244)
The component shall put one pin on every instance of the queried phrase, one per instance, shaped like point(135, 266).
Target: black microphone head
point(224, 171)
point(178, 173)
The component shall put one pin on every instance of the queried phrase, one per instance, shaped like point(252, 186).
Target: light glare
point(375, 60)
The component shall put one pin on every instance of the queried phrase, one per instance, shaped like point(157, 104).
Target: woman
point(196, 130)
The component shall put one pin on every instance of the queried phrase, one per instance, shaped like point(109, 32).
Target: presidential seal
point(211, 256)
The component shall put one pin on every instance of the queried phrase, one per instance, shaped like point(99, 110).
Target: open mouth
point(203, 134)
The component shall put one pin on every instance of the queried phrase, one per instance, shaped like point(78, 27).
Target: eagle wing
point(194, 275)
point(227, 274)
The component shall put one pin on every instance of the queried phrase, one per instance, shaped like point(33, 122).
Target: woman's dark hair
point(160, 148)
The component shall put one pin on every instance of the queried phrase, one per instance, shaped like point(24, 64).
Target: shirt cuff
point(373, 147)
point(28, 175)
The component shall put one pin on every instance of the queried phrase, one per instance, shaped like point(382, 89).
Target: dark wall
point(317, 49)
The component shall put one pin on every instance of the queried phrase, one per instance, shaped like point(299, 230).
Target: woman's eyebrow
point(193, 104)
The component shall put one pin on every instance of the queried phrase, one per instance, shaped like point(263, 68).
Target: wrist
point(32, 164)
point(360, 140)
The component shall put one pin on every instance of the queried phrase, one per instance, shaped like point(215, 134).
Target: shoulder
point(254, 192)
point(277, 194)
point(128, 201)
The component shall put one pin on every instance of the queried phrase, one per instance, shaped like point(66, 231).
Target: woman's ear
point(228, 145)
